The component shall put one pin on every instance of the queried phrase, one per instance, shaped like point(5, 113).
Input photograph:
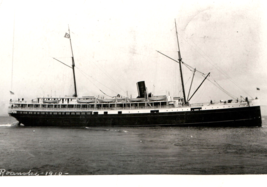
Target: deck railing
point(86, 109)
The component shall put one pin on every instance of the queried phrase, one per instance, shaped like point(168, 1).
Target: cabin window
point(105, 113)
point(95, 113)
point(196, 109)
point(119, 112)
point(154, 111)
point(119, 105)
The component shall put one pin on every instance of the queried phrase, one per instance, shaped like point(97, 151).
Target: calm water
point(157, 150)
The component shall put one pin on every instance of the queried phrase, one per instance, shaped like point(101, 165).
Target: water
point(128, 150)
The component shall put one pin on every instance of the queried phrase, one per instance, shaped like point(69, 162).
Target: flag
point(67, 35)
point(258, 88)
point(12, 93)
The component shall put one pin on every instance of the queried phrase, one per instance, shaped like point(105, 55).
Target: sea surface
point(129, 150)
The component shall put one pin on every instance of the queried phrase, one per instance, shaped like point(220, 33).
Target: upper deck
point(71, 104)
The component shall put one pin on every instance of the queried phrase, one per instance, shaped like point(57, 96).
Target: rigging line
point(106, 94)
point(107, 74)
point(217, 67)
point(224, 89)
point(96, 80)
point(62, 62)
point(200, 51)
point(178, 62)
point(219, 87)
point(109, 95)
point(191, 68)
point(89, 79)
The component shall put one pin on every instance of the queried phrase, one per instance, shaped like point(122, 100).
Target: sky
point(115, 45)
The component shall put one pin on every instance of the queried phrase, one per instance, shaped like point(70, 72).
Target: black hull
point(247, 116)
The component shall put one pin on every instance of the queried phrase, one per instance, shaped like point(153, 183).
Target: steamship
point(144, 110)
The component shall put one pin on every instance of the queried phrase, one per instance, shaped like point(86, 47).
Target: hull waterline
point(244, 116)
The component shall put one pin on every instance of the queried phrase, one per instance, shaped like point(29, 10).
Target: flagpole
point(73, 67)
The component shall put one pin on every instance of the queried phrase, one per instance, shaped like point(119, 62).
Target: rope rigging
point(224, 74)
point(202, 74)
point(88, 77)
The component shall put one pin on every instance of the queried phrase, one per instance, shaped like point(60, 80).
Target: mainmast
point(180, 65)
point(67, 35)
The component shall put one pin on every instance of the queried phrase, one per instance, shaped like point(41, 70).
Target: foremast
point(67, 35)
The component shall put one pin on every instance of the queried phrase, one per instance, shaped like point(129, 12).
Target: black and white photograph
point(141, 89)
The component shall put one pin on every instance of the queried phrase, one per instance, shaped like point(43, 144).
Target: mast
point(180, 65)
point(73, 66)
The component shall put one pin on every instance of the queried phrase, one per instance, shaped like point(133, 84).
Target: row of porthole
point(70, 113)
point(223, 107)
point(58, 113)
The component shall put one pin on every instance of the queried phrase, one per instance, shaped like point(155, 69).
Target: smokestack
point(141, 89)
